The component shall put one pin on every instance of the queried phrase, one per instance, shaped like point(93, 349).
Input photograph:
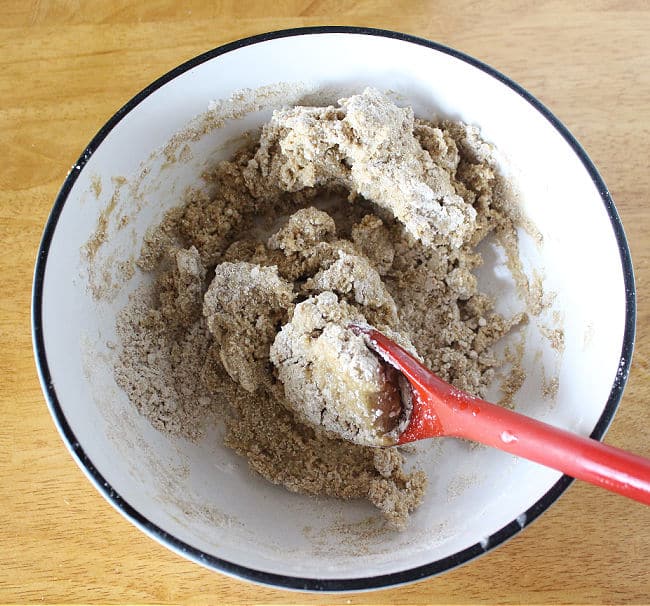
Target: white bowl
point(201, 500)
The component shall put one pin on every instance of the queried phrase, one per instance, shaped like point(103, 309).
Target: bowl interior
point(204, 495)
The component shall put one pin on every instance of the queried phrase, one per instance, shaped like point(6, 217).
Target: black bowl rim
point(295, 582)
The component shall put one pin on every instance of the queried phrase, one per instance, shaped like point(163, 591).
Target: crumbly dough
point(355, 280)
point(243, 306)
point(367, 145)
point(330, 376)
point(356, 212)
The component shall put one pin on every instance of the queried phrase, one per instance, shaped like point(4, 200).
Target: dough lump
point(330, 376)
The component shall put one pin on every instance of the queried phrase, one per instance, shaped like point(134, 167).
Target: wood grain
point(66, 66)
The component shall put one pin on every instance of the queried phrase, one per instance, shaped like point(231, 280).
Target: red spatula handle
point(581, 458)
point(443, 410)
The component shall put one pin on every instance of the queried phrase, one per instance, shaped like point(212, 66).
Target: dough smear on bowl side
point(355, 212)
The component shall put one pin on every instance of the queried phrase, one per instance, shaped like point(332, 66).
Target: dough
point(332, 379)
point(355, 212)
point(243, 307)
point(368, 146)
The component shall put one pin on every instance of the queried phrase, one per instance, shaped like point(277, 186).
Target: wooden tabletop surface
point(66, 66)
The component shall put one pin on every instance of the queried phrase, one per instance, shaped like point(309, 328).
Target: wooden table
point(67, 66)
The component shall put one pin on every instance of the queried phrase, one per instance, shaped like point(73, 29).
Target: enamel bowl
point(200, 499)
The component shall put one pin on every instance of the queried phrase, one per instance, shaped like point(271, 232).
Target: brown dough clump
point(331, 378)
point(367, 145)
point(243, 306)
point(255, 287)
point(355, 280)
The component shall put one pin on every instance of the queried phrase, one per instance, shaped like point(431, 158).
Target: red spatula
point(440, 409)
